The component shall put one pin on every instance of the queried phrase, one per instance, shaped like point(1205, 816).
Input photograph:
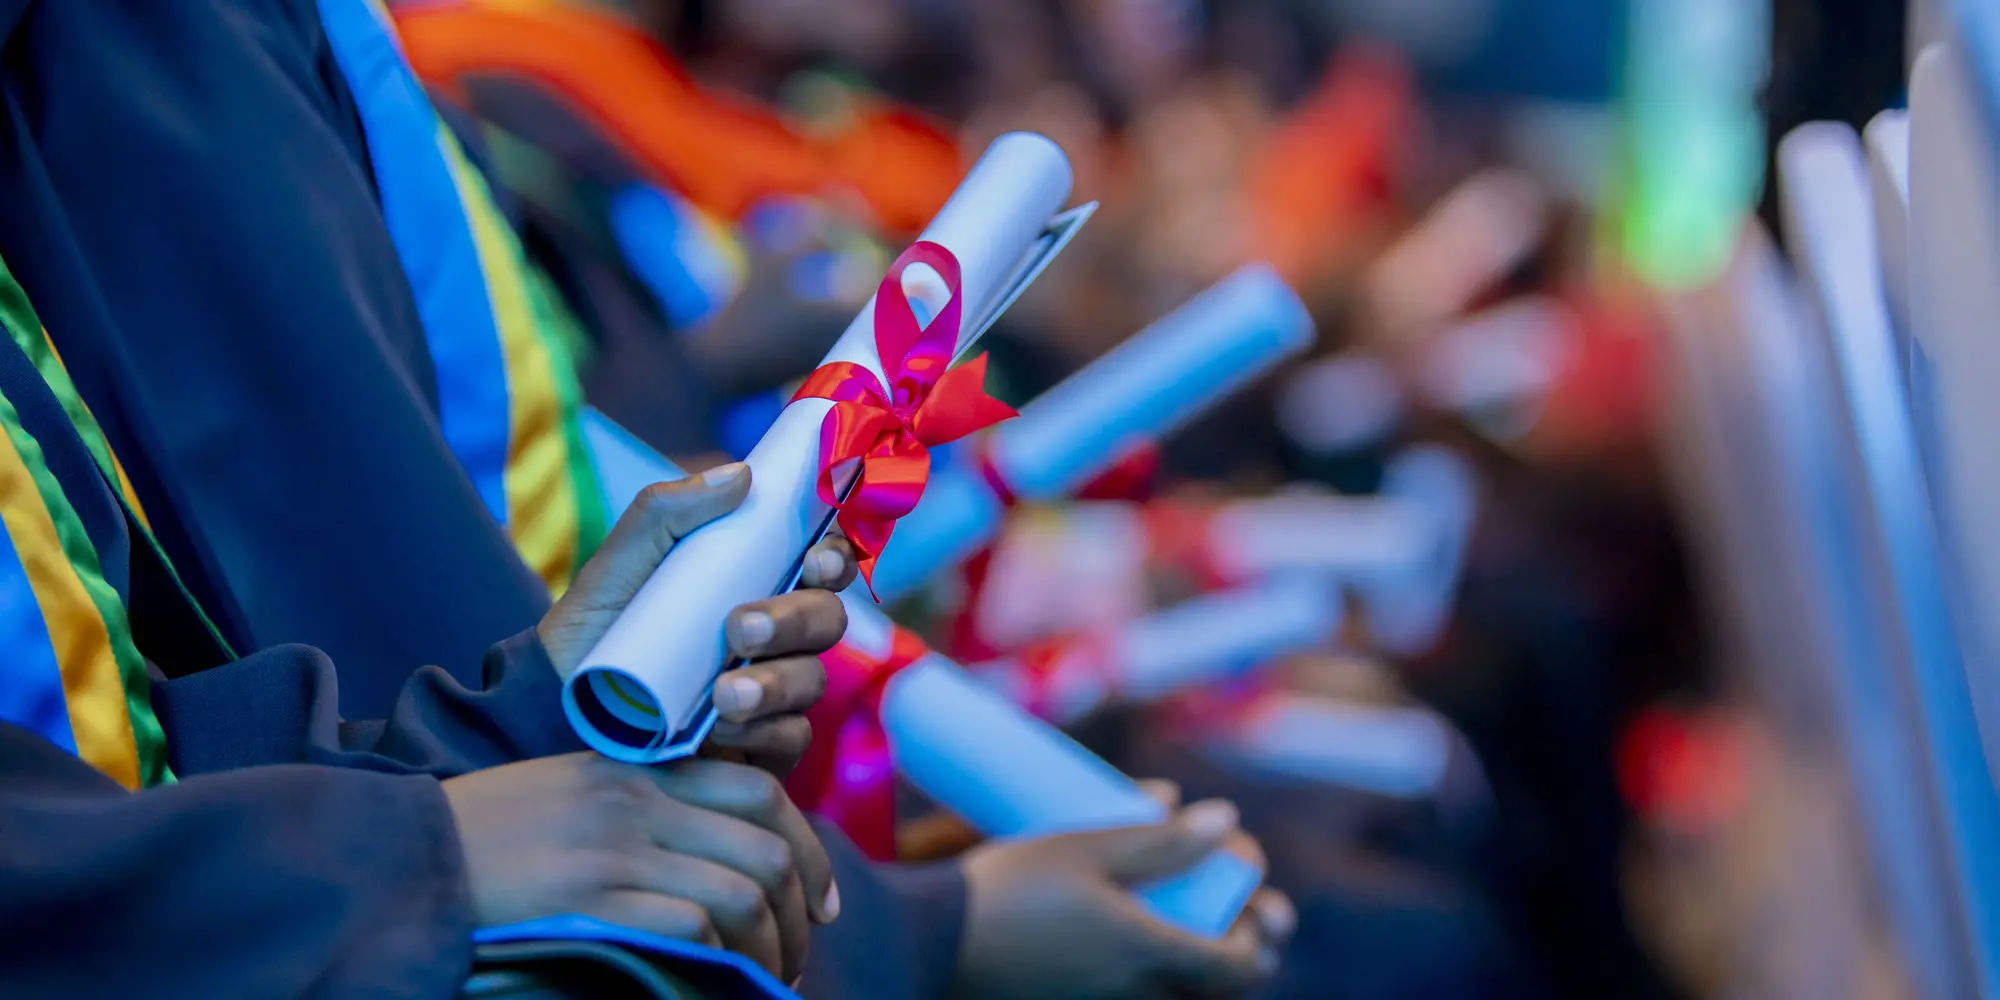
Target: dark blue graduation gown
point(191, 209)
point(264, 872)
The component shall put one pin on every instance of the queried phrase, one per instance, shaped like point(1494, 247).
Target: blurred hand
point(699, 850)
point(1054, 918)
point(763, 704)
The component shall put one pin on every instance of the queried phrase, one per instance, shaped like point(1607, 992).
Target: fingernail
point(738, 695)
point(1211, 820)
point(753, 630)
point(724, 474)
point(829, 909)
point(1280, 917)
point(1267, 961)
point(830, 565)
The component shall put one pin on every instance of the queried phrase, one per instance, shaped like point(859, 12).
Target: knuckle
point(739, 901)
point(769, 860)
point(794, 734)
point(701, 928)
point(659, 498)
point(763, 794)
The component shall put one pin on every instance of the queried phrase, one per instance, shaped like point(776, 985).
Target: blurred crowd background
point(1483, 203)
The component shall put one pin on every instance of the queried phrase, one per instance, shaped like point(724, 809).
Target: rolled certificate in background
point(1193, 643)
point(1401, 550)
point(1141, 390)
point(1009, 774)
point(1406, 613)
point(1399, 752)
point(642, 693)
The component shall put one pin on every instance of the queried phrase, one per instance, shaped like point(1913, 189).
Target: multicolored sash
point(73, 674)
point(508, 397)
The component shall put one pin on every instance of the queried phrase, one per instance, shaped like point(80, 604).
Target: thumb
point(662, 515)
point(1138, 854)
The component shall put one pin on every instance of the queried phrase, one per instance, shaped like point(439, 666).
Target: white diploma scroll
point(1393, 751)
point(1144, 388)
point(1199, 641)
point(1183, 363)
point(1406, 613)
point(1399, 551)
point(1009, 774)
point(642, 693)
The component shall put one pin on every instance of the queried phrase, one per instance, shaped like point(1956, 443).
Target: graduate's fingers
point(771, 688)
point(1166, 793)
point(803, 621)
point(649, 911)
point(830, 565)
point(1184, 964)
point(1132, 855)
point(1275, 915)
point(663, 513)
point(755, 795)
point(736, 906)
point(752, 851)
point(773, 745)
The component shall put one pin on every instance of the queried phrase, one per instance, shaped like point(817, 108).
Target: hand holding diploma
point(893, 707)
point(855, 441)
point(761, 705)
point(1054, 918)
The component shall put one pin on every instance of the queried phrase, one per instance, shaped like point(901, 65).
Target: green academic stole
point(73, 674)
point(509, 401)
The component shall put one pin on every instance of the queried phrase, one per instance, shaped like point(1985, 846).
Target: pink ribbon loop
point(890, 429)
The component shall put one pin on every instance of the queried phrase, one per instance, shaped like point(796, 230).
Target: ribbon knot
point(889, 430)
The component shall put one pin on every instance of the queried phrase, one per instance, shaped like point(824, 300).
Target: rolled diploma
point(625, 465)
point(1140, 391)
point(1399, 752)
point(1406, 613)
point(1220, 635)
point(647, 680)
point(1205, 639)
point(1009, 774)
point(1353, 537)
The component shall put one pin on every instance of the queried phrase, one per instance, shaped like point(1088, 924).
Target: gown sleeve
point(282, 880)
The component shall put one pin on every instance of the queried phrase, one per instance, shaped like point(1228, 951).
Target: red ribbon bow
point(846, 774)
point(891, 429)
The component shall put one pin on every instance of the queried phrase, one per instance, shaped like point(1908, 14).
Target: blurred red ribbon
point(846, 774)
point(1052, 668)
point(891, 429)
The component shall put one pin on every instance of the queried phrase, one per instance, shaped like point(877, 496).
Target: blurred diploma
point(1140, 391)
point(1395, 751)
point(1084, 568)
point(1196, 642)
point(642, 694)
point(1009, 774)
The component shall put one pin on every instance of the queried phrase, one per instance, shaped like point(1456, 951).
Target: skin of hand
point(762, 704)
point(1055, 918)
point(700, 850)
